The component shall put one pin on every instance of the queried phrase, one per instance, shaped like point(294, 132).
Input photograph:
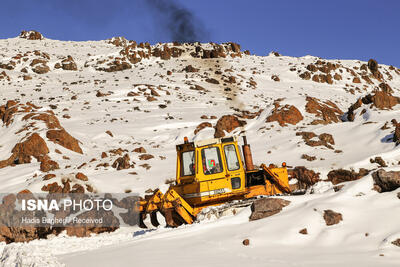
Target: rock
point(326, 138)
point(227, 123)
point(266, 207)
point(190, 68)
point(303, 231)
point(212, 80)
point(332, 218)
point(308, 158)
point(327, 112)
point(68, 64)
point(379, 161)
point(109, 133)
point(285, 115)
point(246, 242)
point(146, 156)
point(122, 163)
point(201, 126)
point(386, 88)
point(380, 99)
point(396, 242)
point(341, 175)
point(62, 138)
point(304, 176)
point(386, 181)
point(383, 100)
point(81, 176)
point(31, 35)
point(104, 155)
point(140, 150)
point(373, 65)
point(396, 134)
point(48, 176)
point(41, 68)
point(275, 78)
point(48, 165)
point(22, 152)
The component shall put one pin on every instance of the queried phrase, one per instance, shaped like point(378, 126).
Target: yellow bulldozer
point(210, 173)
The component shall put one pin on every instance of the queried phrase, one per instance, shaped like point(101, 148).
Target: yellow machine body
point(209, 173)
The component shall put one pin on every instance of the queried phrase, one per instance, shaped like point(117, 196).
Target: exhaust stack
point(248, 158)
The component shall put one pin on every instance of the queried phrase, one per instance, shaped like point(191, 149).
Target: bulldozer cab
point(209, 167)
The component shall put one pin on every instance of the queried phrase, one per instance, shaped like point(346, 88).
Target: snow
point(275, 240)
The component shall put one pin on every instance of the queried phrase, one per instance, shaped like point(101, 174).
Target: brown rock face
point(48, 165)
point(331, 217)
point(34, 146)
point(68, 64)
point(201, 126)
point(327, 112)
point(41, 68)
point(140, 150)
point(227, 123)
point(341, 175)
point(266, 207)
point(122, 163)
point(303, 231)
point(380, 99)
point(146, 156)
point(386, 181)
point(31, 35)
point(64, 139)
point(285, 115)
point(373, 65)
point(81, 176)
point(304, 176)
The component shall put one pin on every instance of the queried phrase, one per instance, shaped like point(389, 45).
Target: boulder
point(304, 176)
point(64, 139)
point(227, 123)
point(122, 163)
point(331, 217)
point(342, 175)
point(266, 207)
point(201, 126)
point(327, 112)
point(31, 35)
point(386, 181)
point(287, 114)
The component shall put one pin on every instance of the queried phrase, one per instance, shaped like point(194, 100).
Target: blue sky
point(329, 29)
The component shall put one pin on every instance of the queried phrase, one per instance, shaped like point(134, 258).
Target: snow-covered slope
point(155, 102)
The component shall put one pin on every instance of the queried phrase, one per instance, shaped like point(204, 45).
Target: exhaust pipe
point(248, 158)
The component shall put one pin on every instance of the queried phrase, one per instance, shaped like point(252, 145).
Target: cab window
point(232, 160)
point(187, 163)
point(211, 160)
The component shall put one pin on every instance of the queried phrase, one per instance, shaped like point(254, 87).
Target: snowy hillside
point(114, 110)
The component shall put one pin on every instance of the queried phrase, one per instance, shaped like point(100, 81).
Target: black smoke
point(177, 21)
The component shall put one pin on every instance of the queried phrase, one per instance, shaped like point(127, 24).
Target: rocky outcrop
point(32, 144)
point(305, 178)
point(327, 112)
point(331, 217)
point(266, 207)
point(31, 35)
point(62, 138)
point(380, 99)
point(201, 126)
point(227, 123)
point(386, 181)
point(287, 114)
point(66, 64)
point(311, 139)
point(122, 163)
point(342, 175)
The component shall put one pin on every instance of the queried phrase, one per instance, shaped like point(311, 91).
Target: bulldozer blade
point(142, 217)
point(172, 218)
point(153, 219)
